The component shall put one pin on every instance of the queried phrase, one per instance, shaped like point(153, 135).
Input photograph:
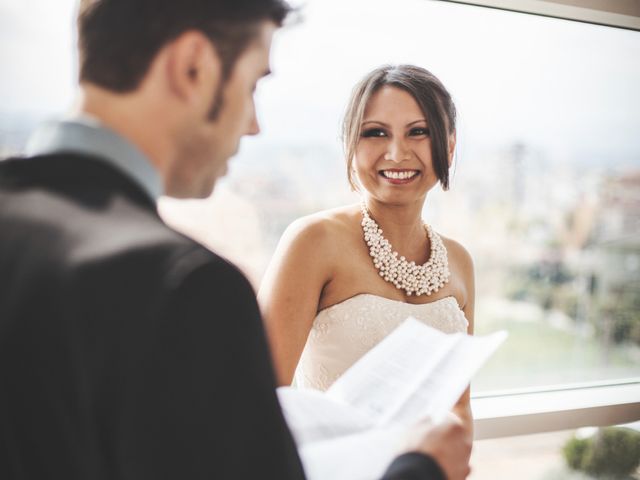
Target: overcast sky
point(543, 81)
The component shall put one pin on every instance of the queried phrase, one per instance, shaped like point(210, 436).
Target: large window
point(546, 189)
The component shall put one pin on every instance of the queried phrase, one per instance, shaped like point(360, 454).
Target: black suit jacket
point(128, 351)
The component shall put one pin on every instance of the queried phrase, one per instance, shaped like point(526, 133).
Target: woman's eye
point(373, 132)
point(419, 132)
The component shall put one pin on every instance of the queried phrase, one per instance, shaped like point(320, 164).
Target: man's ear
point(193, 68)
point(452, 147)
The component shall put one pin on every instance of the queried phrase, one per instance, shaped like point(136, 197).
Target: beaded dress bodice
point(344, 332)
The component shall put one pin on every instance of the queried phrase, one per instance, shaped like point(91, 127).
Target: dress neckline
point(357, 295)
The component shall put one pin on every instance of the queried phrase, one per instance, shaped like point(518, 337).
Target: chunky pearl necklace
point(413, 279)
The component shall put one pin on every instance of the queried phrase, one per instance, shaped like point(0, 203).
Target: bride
point(342, 279)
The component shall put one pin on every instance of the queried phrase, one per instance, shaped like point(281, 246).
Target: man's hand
point(448, 443)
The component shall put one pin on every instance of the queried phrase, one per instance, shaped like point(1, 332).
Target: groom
point(128, 351)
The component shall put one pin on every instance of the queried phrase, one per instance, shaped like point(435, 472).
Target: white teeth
point(402, 175)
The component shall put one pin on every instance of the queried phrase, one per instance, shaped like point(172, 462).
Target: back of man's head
point(118, 39)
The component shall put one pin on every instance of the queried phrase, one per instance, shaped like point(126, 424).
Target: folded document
point(351, 431)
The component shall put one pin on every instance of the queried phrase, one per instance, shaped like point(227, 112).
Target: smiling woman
point(394, 147)
point(417, 95)
point(336, 285)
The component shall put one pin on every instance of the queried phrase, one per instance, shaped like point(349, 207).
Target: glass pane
point(545, 456)
point(546, 189)
point(38, 59)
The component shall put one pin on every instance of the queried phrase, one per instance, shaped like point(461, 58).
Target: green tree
point(612, 452)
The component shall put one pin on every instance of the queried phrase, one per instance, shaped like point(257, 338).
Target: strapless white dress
point(344, 332)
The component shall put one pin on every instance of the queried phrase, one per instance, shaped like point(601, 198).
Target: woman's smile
point(397, 176)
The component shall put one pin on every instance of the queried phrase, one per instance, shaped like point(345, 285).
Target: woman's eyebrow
point(420, 120)
point(375, 121)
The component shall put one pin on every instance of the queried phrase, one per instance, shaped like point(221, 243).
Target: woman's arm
point(463, 408)
point(291, 290)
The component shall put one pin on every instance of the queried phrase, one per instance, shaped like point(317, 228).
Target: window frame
point(530, 411)
point(600, 12)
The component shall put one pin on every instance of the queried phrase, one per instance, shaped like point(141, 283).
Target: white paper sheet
point(438, 392)
point(352, 431)
point(386, 376)
point(394, 369)
point(313, 416)
point(363, 456)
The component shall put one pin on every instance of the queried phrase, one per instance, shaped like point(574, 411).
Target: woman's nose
point(254, 126)
point(397, 151)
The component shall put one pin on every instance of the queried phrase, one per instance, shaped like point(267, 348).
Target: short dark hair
point(431, 96)
point(118, 39)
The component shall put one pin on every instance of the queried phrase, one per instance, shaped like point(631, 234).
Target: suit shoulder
point(198, 261)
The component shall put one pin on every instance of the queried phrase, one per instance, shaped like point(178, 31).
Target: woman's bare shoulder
point(461, 266)
point(457, 252)
point(324, 227)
